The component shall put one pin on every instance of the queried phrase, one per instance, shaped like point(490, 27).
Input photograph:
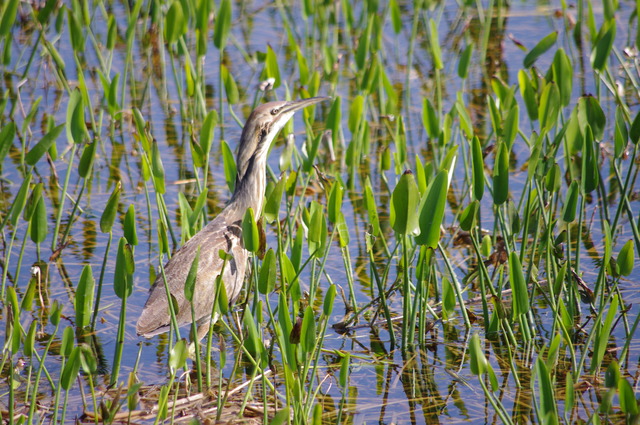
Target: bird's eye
point(275, 111)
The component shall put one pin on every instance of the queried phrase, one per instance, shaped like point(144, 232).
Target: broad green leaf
point(334, 205)
point(590, 114)
point(404, 201)
point(372, 210)
point(603, 45)
point(465, 60)
point(230, 168)
point(569, 210)
point(563, 75)
point(432, 210)
point(539, 49)
point(344, 369)
point(468, 216)
point(590, 167)
point(272, 206)
point(626, 258)
point(7, 134)
point(83, 302)
point(519, 290)
point(308, 332)
point(281, 417)
point(271, 70)
point(343, 230)
point(122, 279)
point(86, 160)
point(396, 16)
point(192, 277)
point(8, 17)
point(178, 355)
point(628, 401)
point(252, 339)
point(510, 129)
point(230, 86)
point(356, 113)
point(19, 201)
point(267, 277)
point(501, 175)
point(430, 119)
point(528, 94)
point(477, 359)
point(329, 299)
point(250, 234)
point(545, 389)
point(465, 119)
point(222, 24)
point(549, 107)
point(477, 165)
point(435, 45)
point(130, 226)
point(40, 148)
point(71, 369)
point(76, 126)
point(75, 32)
point(39, 226)
point(110, 211)
point(175, 23)
point(206, 132)
point(157, 168)
point(612, 375)
point(634, 131)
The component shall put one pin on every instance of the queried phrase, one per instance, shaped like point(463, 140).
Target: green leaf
point(130, 226)
point(83, 302)
point(267, 277)
point(468, 216)
point(308, 332)
point(39, 222)
point(545, 388)
point(76, 126)
point(563, 75)
point(356, 113)
point(569, 210)
point(372, 210)
point(628, 402)
point(396, 16)
point(86, 160)
point(528, 95)
point(432, 210)
point(272, 206)
point(501, 175)
point(404, 204)
point(465, 60)
point(40, 148)
point(539, 49)
point(272, 70)
point(250, 234)
point(334, 206)
point(175, 23)
point(612, 375)
point(477, 360)
point(178, 355)
point(206, 132)
point(230, 86)
point(626, 259)
point(329, 299)
point(71, 369)
point(477, 165)
point(157, 168)
point(430, 119)
point(222, 24)
point(8, 18)
point(122, 277)
point(20, 201)
point(344, 369)
point(435, 45)
point(465, 119)
point(549, 107)
point(192, 277)
point(590, 168)
point(510, 129)
point(553, 178)
point(281, 417)
point(229, 162)
point(590, 114)
point(603, 45)
point(110, 211)
point(634, 131)
point(7, 134)
point(75, 32)
point(519, 290)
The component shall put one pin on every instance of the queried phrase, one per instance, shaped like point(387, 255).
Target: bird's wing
point(217, 235)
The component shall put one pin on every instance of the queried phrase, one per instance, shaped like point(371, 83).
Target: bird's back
point(218, 235)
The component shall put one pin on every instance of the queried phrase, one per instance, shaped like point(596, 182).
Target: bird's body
point(222, 233)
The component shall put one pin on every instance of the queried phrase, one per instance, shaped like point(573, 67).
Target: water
point(430, 385)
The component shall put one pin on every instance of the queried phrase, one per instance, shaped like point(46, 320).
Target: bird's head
point(263, 125)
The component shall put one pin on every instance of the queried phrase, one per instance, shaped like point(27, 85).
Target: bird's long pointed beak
point(296, 105)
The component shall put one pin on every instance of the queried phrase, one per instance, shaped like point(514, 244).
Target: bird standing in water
point(222, 233)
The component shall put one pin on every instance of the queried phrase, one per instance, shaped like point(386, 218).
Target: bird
point(224, 232)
